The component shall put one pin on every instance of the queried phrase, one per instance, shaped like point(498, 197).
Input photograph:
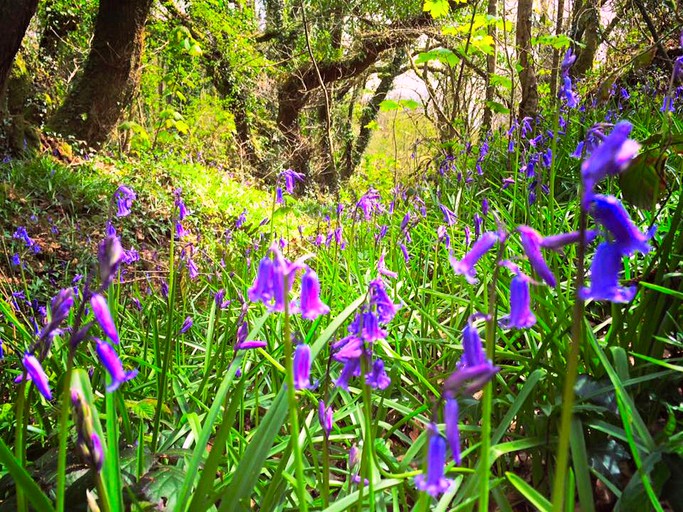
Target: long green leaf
point(199, 451)
point(532, 495)
point(248, 470)
point(31, 489)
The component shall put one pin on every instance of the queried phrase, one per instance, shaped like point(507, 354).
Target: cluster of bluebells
point(472, 372)
point(31, 244)
point(110, 256)
point(364, 331)
point(274, 281)
point(609, 155)
point(289, 178)
point(620, 236)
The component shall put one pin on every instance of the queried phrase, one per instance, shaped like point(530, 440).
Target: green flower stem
point(19, 448)
point(559, 485)
point(367, 466)
point(487, 398)
point(161, 391)
point(293, 405)
point(64, 433)
point(326, 471)
point(103, 494)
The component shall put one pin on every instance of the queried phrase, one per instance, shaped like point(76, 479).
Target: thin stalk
point(326, 471)
point(293, 410)
point(19, 448)
point(169, 348)
point(487, 397)
point(102, 492)
point(64, 432)
point(367, 460)
point(571, 372)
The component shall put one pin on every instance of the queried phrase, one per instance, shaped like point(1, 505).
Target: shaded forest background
point(260, 87)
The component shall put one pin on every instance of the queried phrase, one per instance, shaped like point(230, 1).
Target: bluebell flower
point(241, 219)
point(263, 288)
point(370, 203)
point(36, 374)
point(568, 93)
point(611, 214)
point(557, 242)
point(351, 369)
point(302, 367)
point(187, 325)
point(385, 307)
point(433, 482)
point(404, 251)
point(111, 362)
point(124, 200)
point(448, 215)
point(109, 255)
point(291, 177)
point(405, 221)
point(378, 378)
point(607, 264)
point(16, 260)
point(567, 62)
point(97, 453)
point(531, 242)
point(278, 195)
point(451, 416)
point(325, 417)
point(474, 369)
point(311, 306)
point(521, 316)
point(182, 209)
point(101, 311)
point(382, 267)
point(465, 266)
point(608, 159)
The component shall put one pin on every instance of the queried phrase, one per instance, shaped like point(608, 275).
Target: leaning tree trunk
point(528, 106)
point(371, 110)
point(15, 16)
point(97, 100)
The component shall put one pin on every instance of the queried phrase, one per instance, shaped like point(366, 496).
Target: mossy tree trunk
point(104, 90)
point(15, 15)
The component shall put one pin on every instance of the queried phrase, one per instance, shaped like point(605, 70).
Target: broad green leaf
point(534, 497)
point(31, 489)
point(644, 181)
point(443, 55)
point(437, 8)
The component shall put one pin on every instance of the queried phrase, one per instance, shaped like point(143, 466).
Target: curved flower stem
point(64, 433)
point(19, 447)
point(367, 465)
point(487, 398)
point(572, 369)
point(293, 411)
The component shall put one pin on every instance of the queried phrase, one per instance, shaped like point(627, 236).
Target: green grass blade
point(581, 466)
point(199, 451)
point(31, 489)
point(539, 501)
point(247, 472)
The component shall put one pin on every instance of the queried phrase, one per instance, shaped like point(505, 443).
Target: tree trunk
point(528, 106)
point(490, 70)
point(369, 113)
point(97, 100)
point(587, 27)
point(559, 19)
point(15, 15)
